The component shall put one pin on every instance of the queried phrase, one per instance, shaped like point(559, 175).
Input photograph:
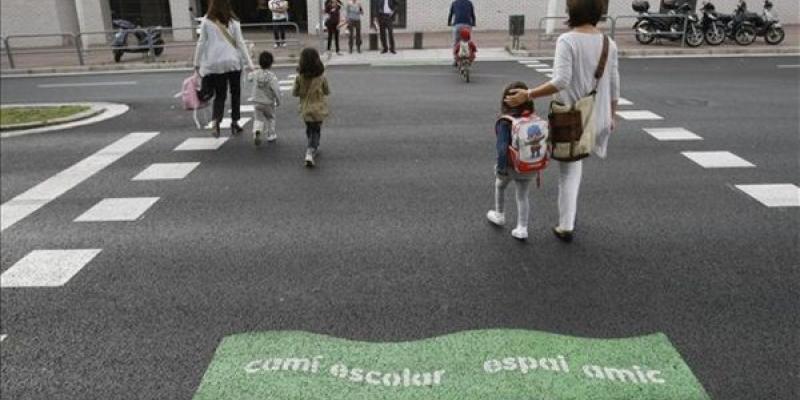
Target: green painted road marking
point(485, 364)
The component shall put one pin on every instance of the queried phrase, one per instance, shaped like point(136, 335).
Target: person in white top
point(577, 55)
point(219, 57)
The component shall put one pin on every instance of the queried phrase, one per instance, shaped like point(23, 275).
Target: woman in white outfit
point(219, 57)
point(577, 56)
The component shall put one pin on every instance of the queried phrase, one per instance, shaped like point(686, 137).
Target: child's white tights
point(523, 206)
point(569, 181)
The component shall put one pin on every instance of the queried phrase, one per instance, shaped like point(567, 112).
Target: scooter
point(766, 24)
point(713, 28)
point(145, 39)
point(681, 22)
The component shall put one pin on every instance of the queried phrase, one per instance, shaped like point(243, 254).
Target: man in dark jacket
point(462, 15)
point(386, 11)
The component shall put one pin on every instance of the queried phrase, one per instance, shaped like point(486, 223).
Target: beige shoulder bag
point(572, 128)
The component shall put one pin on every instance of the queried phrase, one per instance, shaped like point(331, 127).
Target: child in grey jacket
point(267, 97)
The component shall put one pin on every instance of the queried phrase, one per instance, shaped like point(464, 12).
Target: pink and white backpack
point(529, 149)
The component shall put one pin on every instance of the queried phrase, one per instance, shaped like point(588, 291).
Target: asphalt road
point(387, 239)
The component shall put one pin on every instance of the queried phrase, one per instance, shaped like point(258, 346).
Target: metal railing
point(61, 50)
point(82, 43)
point(542, 36)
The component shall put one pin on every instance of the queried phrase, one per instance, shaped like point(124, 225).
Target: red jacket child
point(465, 38)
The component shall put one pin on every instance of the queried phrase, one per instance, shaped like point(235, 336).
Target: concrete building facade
point(73, 16)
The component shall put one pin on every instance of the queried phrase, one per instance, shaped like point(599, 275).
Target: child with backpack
point(312, 88)
point(522, 153)
point(266, 97)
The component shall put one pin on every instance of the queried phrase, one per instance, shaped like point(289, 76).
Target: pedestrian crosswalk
point(770, 195)
point(201, 143)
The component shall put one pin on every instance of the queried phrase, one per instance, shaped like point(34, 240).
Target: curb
point(91, 112)
point(99, 112)
point(744, 52)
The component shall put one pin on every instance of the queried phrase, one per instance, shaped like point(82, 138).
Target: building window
point(376, 6)
point(142, 12)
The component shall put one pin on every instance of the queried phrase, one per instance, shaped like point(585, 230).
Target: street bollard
point(417, 40)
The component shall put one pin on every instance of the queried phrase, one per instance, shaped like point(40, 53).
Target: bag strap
point(224, 31)
point(601, 66)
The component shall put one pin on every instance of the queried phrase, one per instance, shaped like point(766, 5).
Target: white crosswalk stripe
point(286, 88)
point(226, 123)
point(118, 209)
point(47, 268)
point(195, 144)
point(717, 159)
point(639, 115)
point(669, 134)
point(166, 171)
point(247, 108)
point(286, 82)
point(544, 70)
point(773, 195)
point(624, 102)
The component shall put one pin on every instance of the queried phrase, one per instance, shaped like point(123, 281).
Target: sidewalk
point(436, 46)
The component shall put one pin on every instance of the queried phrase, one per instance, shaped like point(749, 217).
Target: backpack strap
point(601, 66)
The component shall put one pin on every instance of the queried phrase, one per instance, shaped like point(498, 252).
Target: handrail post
point(685, 25)
point(8, 52)
point(78, 48)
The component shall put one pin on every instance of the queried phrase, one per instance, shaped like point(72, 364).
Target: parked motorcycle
point(145, 39)
point(766, 24)
point(713, 28)
point(736, 27)
point(681, 22)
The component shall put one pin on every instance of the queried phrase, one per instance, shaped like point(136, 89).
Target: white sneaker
point(272, 137)
point(520, 233)
point(496, 218)
point(309, 158)
point(275, 46)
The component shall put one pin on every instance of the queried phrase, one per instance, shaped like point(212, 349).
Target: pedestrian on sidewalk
point(280, 14)
point(386, 11)
point(219, 58)
point(462, 15)
point(333, 9)
point(578, 54)
point(504, 171)
point(312, 88)
point(354, 11)
point(266, 97)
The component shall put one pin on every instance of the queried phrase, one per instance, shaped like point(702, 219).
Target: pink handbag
point(189, 94)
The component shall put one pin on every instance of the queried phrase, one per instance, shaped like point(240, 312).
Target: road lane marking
point(639, 115)
point(549, 75)
point(286, 82)
point(292, 76)
point(36, 197)
point(548, 70)
point(85, 84)
point(3, 337)
point(286, 88)
point(193, 144)
point(668, 134)
point(47, 268)
point(789, 66)
point(118, 209)
point(166, 171)
point(537, 65)
point(624, 102)
point(717, 159)
point(777, 195)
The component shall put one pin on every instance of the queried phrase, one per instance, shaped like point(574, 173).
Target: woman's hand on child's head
point(516, 97)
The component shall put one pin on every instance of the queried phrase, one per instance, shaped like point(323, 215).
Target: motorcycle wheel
point(693, 36)
point(158, 47)
point(774, 35)
point(117, 55)
point(645, 33)
point(745, 35)
point(715, 35)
